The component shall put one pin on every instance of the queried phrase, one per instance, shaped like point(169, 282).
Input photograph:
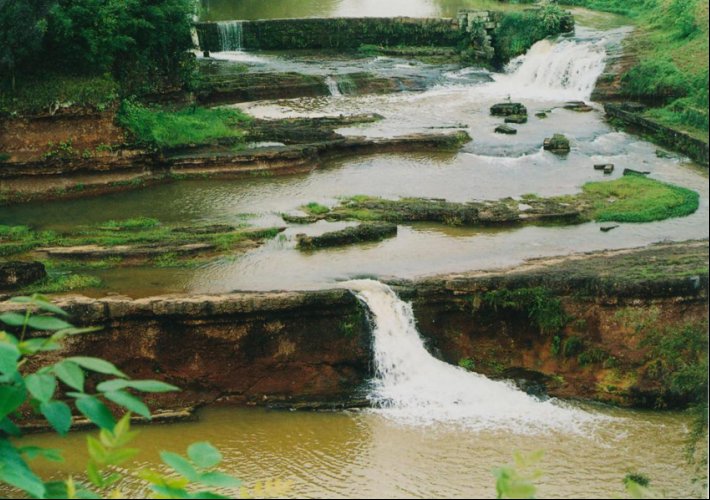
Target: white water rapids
point(554, 71)
point(412, 386)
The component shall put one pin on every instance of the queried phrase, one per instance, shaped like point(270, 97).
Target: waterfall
point(231, 35)
point(563, 70)
point(333, 87)
point(411, 385)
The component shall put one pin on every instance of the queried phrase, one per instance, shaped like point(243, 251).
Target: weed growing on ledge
point(542, 308)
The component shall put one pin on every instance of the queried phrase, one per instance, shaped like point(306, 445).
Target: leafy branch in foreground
point(38, 393)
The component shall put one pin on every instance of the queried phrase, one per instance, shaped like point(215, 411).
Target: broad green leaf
point(11, 398)
point(32, 452)
point(168, 492)
point(58, 414)
point(41, 386)
point(33, 346)
point(94, 475)
point(15, 472)
point(97, 365)
point(180, 465)
point(117, 457)
point(96, 411)
point(40, 302)
point(47, 323)
point(219, 480)
point(9, 355)
point(97, 451)
point(139, 385)
point(12, 319)
point(9, 428)
point(129, 402)
point(204, 455)
point(71, 374)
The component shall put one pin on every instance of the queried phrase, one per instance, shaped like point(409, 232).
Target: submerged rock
point(541, 114)
point(578, 106)
point(371, 231)
point(516, 119)
point(505, 129)
point(557, 144)
point(606, 229)
point(18, 274)
point(508, 109)
point(631, 171)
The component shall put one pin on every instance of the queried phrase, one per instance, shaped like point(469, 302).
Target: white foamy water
point(333, 87)
point(413, 386)
point(231, 35)
point(554, 71)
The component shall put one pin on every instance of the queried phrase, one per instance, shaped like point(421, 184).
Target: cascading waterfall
point(566, 69)
point(333, 87)
point(231, 35)
point(411, 385)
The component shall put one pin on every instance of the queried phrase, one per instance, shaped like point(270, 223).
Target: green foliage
point(516, 480)
point(635, 198)
point(518, 31)
point(467, 364)
point(159, 128)
point(556, 345)
point(637, 478)
point(592, 356)
point(656, 79)
point(45, 92)
point(39, 392)
point(542, 308)
point(22, 26)
point(572, 346)
point(314, 208)
point(131, 224)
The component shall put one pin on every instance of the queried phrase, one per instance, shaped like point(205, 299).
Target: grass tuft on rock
point(635, 198)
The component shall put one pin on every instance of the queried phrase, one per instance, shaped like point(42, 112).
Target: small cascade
point(566, 69)
point(411, 385)
point(231, 35)
point(333, 87)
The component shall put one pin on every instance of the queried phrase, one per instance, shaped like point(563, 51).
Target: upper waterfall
point(231, 35)
point(566, 69)
point(412, 385)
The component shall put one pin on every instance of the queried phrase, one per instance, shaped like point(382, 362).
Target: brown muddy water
point(368, 455)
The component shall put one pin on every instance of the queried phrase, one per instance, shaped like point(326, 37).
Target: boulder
point(508, 109)
point(631, 171)
point(505, 129)
point(541, 114)
point(516, 119)
point(606, 167)
point(14, 275)
point(557, 144)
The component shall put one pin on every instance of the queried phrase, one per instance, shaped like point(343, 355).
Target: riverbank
point(588, 326)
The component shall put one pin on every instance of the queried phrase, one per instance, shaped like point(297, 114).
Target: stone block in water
point(508, 109)
point(557, 144)
point(505, 129)
point(516, 119)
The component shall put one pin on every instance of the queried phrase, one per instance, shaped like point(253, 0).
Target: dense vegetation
point(671, 44)
point(54, 51)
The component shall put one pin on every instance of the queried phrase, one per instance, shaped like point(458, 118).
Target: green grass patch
point(131, 224)
point(635, 198)
point(161, 128)
point(314, 208)
point(43, 93)
point(57, 283)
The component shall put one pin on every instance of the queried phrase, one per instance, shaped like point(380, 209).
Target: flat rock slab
point(375, 231)
point(99, 252)
point(578, 106)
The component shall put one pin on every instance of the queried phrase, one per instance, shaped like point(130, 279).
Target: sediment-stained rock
point(557, 144)
point(508, 109)
point(374, 231)
point(14, 275)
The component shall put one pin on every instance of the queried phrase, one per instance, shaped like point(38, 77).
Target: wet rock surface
point(509, 109)
point(505, 129)
point(376, 231)
point(558, 144)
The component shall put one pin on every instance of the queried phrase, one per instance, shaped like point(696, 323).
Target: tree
point(22, 27)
